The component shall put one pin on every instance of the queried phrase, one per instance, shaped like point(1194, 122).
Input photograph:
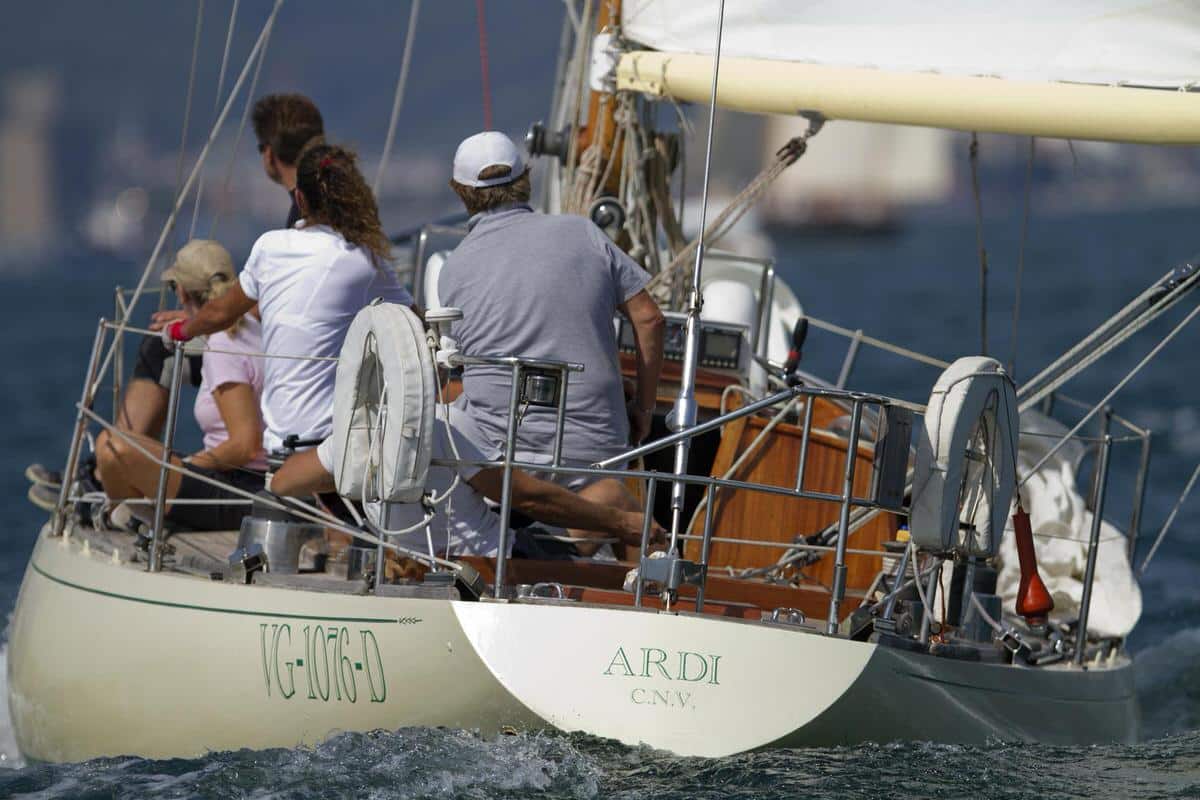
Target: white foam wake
point(10, 756)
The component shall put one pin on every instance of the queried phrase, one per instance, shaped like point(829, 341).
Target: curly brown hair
point(337, 195)
point(485, 198)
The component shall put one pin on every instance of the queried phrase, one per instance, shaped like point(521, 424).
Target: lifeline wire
point(291, 505)
point(398, 99)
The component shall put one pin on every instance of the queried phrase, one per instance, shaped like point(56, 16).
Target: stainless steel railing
point(523, 367)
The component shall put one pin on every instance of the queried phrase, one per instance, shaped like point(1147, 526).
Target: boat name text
point(657, 664)
point(334, 662)
point(654, 662)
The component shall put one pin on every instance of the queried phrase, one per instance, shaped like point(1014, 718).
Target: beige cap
point(197, 263)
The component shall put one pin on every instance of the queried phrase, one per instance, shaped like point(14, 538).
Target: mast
point(684, 414)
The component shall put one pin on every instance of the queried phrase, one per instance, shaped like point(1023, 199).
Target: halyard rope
point(787, 155)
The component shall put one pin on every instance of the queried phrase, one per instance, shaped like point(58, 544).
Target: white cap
point(483, 150)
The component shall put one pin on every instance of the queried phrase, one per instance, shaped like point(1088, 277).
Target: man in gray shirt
point(545, 286)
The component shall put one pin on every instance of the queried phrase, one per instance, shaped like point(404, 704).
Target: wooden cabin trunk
point(761, 516)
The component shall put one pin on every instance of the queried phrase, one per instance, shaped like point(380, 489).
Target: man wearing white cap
point(545, 286)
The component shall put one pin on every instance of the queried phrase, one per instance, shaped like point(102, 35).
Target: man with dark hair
point(546, 286)
point(285, 124)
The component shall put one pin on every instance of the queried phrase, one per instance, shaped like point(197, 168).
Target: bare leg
point(605, 492)
point(143, 407)
point(125, 472)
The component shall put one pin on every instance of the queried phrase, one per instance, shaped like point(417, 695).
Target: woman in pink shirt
point(226, 409)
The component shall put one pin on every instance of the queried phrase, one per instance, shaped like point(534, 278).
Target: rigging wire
point(398, 98)
point(187, 122)
point(216, 106)
point(484, 72)
point(1012, 358)
point(579, 66)
point(191, 179)
point(685, 403)
point(1170, 519)
point(983, 262)
point(1112, 393)
point(237, 139)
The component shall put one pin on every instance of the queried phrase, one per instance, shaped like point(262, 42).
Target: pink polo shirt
point(229, 359)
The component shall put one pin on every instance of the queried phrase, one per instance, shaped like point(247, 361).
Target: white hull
point(106, 659)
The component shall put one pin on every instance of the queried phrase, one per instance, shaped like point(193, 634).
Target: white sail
point(1091, 70)
point(1082, 41)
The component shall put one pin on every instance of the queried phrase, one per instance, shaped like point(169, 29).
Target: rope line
point(398, 98)
point(192, 351)
point(1012, 358)
point(787, 155)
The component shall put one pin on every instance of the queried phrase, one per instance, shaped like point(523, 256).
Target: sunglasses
point(171, 286)
point(261, 147)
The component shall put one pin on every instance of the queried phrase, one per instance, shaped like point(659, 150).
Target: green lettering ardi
point(654, 662)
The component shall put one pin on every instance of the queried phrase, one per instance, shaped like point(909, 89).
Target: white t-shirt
point(309, 283)
point(463, 524)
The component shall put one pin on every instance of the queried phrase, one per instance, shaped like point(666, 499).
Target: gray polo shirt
point(542, 286)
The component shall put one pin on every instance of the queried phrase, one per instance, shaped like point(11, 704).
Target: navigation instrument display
point(720, 342)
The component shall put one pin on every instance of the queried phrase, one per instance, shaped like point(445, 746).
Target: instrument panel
point(722, 344)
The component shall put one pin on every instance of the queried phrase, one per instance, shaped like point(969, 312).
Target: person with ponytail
point(308, 281)
point(226, 409)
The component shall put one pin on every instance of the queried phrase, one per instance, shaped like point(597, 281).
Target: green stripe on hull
point(210, 609)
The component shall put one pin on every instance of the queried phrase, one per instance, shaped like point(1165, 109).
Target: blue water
point(919, 289)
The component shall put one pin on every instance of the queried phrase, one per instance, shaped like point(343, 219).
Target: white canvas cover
point(1062, 527)
point(389, 439)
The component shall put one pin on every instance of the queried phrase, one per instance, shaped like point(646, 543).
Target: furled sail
point(1115, 70)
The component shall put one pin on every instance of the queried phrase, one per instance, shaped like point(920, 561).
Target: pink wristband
point(176, 331)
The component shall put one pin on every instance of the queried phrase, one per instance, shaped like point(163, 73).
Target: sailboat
point(834, 574)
